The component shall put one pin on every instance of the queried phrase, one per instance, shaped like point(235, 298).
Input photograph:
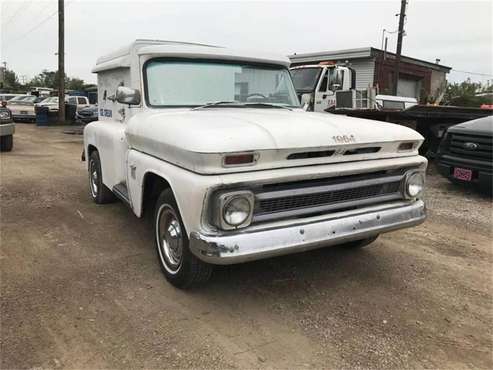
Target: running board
point(120, 190)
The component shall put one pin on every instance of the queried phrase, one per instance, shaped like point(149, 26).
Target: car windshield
point(305, 79)
point(24, 99)
point(18, 98)
point(193, 83)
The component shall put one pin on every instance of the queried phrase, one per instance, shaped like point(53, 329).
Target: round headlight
point(415, 184)
point(236, 211)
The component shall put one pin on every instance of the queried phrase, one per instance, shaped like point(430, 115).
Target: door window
point(336, 77)
point(324, 83)
point(81, 100)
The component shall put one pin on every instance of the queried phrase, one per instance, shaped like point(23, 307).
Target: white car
point(50, 102)
point(22, 107)
point(7, 97)
point(213, 143)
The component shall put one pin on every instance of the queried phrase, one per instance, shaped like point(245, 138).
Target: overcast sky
point(459, 33)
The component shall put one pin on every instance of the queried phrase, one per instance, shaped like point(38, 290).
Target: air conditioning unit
point(352, 99)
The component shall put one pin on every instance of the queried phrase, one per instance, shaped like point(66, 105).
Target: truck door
point(82, 102)
point(324, 97)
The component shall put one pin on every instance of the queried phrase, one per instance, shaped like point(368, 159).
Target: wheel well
point(90, 149)
point(153, 186)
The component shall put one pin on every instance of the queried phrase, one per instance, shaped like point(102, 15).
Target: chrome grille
point(298, 200)
point(472, 146)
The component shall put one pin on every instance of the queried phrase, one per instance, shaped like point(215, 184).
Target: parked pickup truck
point(213, 143)
point(465, 155)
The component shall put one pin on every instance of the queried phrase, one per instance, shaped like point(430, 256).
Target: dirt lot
point(81, 287)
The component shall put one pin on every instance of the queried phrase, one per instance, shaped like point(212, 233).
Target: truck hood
point(199, 139)
point(481, 126)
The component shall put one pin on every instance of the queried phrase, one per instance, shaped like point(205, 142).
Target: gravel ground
point(81, 287)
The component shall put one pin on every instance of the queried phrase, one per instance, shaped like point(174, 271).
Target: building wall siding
point(365, 70)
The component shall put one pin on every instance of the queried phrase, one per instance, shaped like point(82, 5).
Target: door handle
point(324, 96)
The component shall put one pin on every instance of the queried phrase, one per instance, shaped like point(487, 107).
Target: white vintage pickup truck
point(213, 143)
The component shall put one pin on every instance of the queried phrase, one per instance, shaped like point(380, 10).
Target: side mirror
point(338, 78)
point(306, 100)
point(127, 95)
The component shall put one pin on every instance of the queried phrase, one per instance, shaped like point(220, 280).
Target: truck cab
point(316, 84)
point(212, 143)
point(80, 102)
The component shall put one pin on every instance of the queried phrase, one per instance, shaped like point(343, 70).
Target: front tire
point(99, 192)
point(6, 143)
point(360, 243)
point(180, 267)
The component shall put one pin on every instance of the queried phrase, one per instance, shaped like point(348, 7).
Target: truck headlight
point(414, 184)
point(235, 210)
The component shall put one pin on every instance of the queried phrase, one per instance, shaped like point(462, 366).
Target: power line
point(37, 25)
point(473, 73)
point(16, 12)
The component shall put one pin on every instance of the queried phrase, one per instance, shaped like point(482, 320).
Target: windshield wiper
point(217, 103)
point(267, 105)
point(241, 104)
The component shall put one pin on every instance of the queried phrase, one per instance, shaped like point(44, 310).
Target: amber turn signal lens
point(406, 146)
point(238, 159)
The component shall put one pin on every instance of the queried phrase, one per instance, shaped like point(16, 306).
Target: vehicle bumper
point(23, 117)
point(7, 129)
point(248, 246)
point(482, 171)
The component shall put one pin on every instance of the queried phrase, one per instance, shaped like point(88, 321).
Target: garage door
point(408, 88)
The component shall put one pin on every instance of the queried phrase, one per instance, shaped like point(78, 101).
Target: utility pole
point(4, 72)
point(61, 62)
point(400, 34)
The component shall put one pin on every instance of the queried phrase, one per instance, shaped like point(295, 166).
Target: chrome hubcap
point(93, 176)
point(170, 238)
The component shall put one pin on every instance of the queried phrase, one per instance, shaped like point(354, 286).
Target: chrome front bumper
point(248, 246)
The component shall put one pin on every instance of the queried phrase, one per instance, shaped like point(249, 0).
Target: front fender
point(190, 189)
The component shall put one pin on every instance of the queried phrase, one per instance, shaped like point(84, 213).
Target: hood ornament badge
point(470, 146)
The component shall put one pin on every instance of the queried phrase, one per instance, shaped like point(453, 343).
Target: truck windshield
point(193, 83)
point(305, 79)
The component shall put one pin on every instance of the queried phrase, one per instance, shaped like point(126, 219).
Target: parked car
point(22, 107)
point(50, 102)
point(7, 97)
point(465, 154)
point(7, 129)
point(88, 114)
point(218, 150)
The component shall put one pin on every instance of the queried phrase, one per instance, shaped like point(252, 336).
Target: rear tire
point(6, 143)
point(99, 192)
point(360, 243)
point(178, 264)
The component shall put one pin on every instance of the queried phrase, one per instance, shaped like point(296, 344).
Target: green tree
point(50, 79)
point(11, 81)
point(74, 84)
point(467, 94)
point(45, 79)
